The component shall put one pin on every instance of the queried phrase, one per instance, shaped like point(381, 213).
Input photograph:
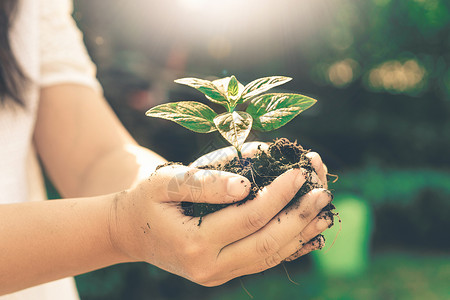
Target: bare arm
point(86, 152)
point(45, 241)
point(84, 147)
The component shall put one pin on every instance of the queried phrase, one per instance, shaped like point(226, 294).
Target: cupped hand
point(148, 224)
point(223, 155)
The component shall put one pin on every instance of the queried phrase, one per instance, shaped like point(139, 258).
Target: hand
point(147, 223)
point(249, 149)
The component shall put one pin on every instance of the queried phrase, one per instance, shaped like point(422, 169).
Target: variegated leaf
point(272, 111)
point(262, 85)
point(192, 115)
point(208, 88)
point(234, 127)
point(233, 91)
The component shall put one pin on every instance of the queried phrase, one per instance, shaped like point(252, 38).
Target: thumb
point(223, 155)
point(189, 184)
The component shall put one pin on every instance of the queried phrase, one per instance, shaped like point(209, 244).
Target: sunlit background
point(380, 70)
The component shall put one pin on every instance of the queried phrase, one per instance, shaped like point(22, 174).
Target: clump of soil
point(261, 170)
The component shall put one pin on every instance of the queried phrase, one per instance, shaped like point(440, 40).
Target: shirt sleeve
point(63, 56)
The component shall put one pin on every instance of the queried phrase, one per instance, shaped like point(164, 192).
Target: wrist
point(118, 225)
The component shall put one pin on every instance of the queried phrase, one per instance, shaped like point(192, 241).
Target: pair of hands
point(147, 223)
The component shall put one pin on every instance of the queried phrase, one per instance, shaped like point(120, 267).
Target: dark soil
point(261, 170)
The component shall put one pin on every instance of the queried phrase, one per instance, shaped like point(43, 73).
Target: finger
point(316, 243)
point(181, 183)
point(243, 220)
point(226, 154)
point(264, 246)
point(295, 248)
point(215, 157)
point(251, 148)
point(319, 167)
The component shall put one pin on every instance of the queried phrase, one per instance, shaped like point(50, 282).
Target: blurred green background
point(380, 70)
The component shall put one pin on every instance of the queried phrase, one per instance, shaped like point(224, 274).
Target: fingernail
point(324, 223)
point(330, 194)
point(322, 200)
point(237, 187)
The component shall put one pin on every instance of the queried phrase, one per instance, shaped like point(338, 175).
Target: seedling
point(265, 112)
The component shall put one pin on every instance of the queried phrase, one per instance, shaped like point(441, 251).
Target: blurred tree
point(379, 68)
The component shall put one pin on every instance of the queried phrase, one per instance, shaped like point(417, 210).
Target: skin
point(118, 209)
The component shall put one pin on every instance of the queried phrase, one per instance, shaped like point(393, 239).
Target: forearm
point(119, 170)
point(85, 149)
point(45, 241)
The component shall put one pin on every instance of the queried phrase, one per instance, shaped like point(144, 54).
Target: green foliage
point(262, 85)
point(233, 91)
point(272, 111)
point(264, 112)
point(234, 127)
point(189, 114)
point(212, 91)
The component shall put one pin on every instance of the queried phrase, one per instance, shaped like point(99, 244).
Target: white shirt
point(50, 50)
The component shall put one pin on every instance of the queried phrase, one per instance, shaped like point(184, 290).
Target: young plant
point(265, 112)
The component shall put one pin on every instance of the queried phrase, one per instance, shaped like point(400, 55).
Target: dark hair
point(12, 78)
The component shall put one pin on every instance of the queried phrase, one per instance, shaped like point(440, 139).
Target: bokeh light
point(343, 72)
point(397, 77)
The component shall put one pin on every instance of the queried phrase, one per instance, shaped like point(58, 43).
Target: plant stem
point(239, 154)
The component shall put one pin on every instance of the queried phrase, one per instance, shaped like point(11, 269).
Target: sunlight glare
point(193, 5)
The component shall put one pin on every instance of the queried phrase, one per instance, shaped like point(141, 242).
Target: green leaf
point(234, 127)
point(208, 88)
point(233, 91)
point(222, 85)
point(272, 111)
point(192, 115)
point(262, 85)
